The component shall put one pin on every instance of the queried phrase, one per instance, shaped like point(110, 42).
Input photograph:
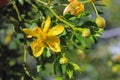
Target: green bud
point(86, 32)
point(63, 60)
point(100, 21)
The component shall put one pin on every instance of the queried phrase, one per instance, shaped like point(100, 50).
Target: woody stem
point(16, 9)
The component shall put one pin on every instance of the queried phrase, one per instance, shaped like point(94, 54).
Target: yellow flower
point(75, 7)
point(45, 37)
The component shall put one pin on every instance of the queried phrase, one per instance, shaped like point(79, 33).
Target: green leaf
point(63, 68)
point(70, 73)
point(88, 23)
point(56, 65)
point(97, 35)
point(88, 43)
point(73, 18)
point(100, 30)
point(27, 25)
point(48, 54)
point(38, 68)
point(33, 25)
point(92, 39)
point(75, 67)
point(59, 78)
point(21, 2)
point(81, 40)
point(12, 62)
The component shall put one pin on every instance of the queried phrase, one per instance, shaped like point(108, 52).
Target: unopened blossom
point(86, 32)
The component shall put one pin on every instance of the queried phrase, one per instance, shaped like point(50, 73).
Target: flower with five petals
point(74, 8)
point(45, 37)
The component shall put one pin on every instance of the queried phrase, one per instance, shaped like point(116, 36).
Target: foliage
point(65, 28)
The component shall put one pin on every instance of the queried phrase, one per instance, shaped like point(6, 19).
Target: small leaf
point(59, 78)
point(21, 2)
point(81, 40)
point(38, 68)
point(88, 23)
point(70, 73)
point(97, 35)
point(56, 65)
point(76, 67)
point(100, 30)
point(92, 39)
point(48, 54)
point(73, 18)
point(33, 25)
point(63, 68)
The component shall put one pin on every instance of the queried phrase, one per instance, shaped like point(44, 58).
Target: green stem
point(78, 29)
point(61, 18)
point(24, 65)
point(53, 12)
point(25, 55)
point(95, 9)
point(84, 2)
point(34, 6)
point(74, 42)
point(17, 11)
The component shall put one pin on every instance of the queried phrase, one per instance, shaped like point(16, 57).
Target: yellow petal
point(37, 30)
point(30, 32)
point(56, 30)
point(29, 36)
point(75, 7)
point(37, 47)
point(54, 43)
point(71, 0)
point(47, 24)
point(66, 10)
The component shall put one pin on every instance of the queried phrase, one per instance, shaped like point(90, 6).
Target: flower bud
point(80, 51)
point(86, 32)
point(84, 56)
point(100, 21)
point(90, 1)
point(63, 60)
point(116, 68)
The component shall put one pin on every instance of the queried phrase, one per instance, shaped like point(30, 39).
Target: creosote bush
point(46, 30)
